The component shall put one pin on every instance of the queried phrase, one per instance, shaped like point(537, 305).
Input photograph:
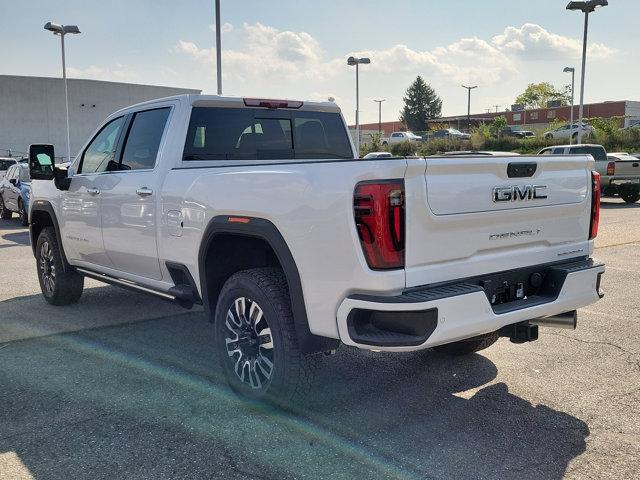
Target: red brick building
point(628, 111)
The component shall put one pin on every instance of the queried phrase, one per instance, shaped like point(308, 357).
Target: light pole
point(218, 49)
point(573, 78)
point(469, 105)
point(351, 61)
point(62, 30)
point(586, 7)
point(379, 102)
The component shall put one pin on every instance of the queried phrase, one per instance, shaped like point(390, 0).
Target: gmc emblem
point(515, 193)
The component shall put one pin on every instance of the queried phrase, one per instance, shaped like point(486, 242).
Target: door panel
point(81, 221)
point(129, 206)
point(129, 223)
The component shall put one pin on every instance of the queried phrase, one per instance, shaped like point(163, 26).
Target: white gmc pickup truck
point(260, 210)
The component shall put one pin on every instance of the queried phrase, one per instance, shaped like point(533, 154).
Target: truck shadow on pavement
point(144, 400)
point(16, 239)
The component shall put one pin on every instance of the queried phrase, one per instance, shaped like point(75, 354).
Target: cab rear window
point(261, 134)
point(598, 153)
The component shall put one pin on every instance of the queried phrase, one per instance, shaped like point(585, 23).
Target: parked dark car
point(513, 132)
point(450, 133)
point(14, 193)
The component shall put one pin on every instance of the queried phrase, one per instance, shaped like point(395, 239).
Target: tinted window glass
point(99, 155)
point(546, 151)
point(143, 140)
point(24, 173)
point(598, 153)
point(250, 134)
point(5, 164)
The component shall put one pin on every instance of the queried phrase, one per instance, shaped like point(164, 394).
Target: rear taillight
point(595, 205)
point(611, 168)
point(379, 213)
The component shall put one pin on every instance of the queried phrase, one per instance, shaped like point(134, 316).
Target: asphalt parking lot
point(123, 386)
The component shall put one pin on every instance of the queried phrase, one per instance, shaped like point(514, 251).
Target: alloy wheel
point(47, 267)
point(249, 343)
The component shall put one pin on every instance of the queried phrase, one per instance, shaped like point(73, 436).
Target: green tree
point(498, 124)
point(421, 103)
point(537, 95)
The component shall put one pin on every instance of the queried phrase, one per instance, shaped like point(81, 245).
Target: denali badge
point(515, 193)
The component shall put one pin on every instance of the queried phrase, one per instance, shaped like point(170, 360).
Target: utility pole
point(586, 7)
point(469, 105)
point(218, 49)
point(379, 102)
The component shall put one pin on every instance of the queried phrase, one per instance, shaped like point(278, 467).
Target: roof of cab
point(221, 101)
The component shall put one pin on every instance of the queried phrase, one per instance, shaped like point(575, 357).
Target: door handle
point(93, 191)
point(144, 191)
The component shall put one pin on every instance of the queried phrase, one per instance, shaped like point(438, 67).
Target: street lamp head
point(53, 27)
point(58, 29)
point(355, 61)
point(469, 88)
point(569, 70)
point(587, 6)
point(71, 29)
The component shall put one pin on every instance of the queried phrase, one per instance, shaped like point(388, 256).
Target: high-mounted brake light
point(379, 214)
point(595, 205)
point(611, 168)
point(270, 103)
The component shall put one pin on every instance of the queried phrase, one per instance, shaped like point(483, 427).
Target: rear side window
point(598, 153)
point(261, 134)
point(143, 140)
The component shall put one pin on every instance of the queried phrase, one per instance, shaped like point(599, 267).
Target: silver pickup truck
point(619, 172)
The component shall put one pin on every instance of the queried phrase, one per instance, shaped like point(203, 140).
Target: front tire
point(4, 213)
point(468, 346)
point(256, 339)
point(58, 287)
point(22, 212)
point(630, 195)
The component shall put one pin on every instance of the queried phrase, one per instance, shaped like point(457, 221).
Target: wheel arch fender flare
point(46, 207)
point(265, 230)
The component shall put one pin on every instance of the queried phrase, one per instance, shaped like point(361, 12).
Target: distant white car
point(6, 163)
point(569, 131)
point(378, 155)
point(399, 137)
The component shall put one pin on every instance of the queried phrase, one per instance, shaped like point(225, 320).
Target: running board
point(119, 282)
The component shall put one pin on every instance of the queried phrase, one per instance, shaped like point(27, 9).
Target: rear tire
point(58, 287)
point(256, 341)
point(4, 213)
point(630, 195)
point(466, 347)
point(24, 216)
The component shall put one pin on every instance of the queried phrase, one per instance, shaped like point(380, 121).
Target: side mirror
point(41, 162)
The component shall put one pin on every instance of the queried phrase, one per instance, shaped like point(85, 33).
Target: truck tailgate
point(467, 216)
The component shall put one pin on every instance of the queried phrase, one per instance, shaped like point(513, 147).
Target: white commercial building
point(32, 109)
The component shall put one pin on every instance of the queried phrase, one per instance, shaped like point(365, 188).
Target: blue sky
point(297, 49)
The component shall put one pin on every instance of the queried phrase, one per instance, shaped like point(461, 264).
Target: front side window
point(143, 140)
point(99, 155)
point(260, 134)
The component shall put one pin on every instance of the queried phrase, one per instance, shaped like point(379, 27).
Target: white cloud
point(293, 64)
point(533, 42)
point(226, 27)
